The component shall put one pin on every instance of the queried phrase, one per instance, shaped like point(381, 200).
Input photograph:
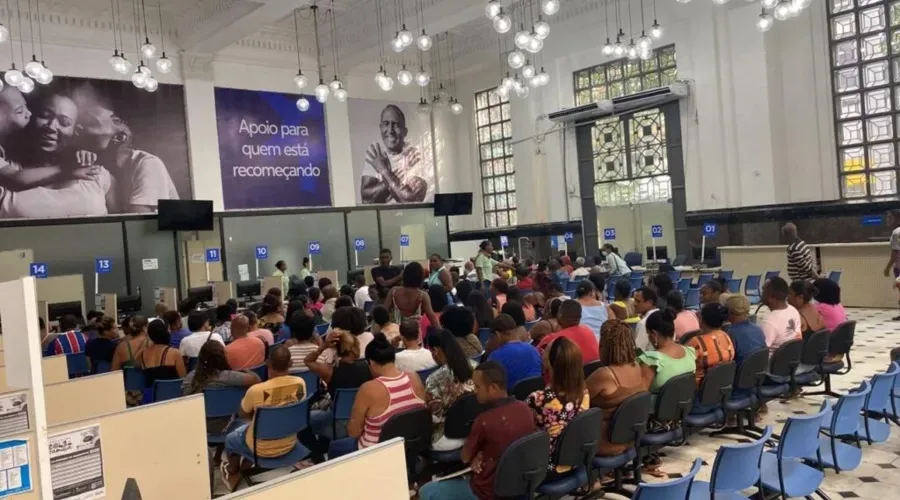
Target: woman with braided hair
point(616, 380)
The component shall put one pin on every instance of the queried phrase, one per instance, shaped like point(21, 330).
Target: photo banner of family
point(272, 154)
point(83, 147)
point(393, 154)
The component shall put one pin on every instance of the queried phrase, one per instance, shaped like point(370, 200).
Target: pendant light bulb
point(33, 68)
point(397, 45)
point(164, 64)
point(424, 42)
point(503, 92)
point(13, 76)
point(541, 29)
point(456, 108)
point(608, 48)
point(302, 104)
point(618, 49)
point(632, 51)
point(386, 83)
point(550, 7)
point(152, 85)
point(321, 92)
point(148, 50)
point(535, 44)
point(404, 76)
point(492, 9)
point(405, 36)
point(300, 80)
point(45, 76)
point(516, 59)
point(521, 39)
point(335, 84)
point(656, 31)
point(764, 22)
point(528, 71)
point(341, 94)
point(26, 85)
point(644, 42)
point(139, 78)
point(125, 67)
point(769, 4)
point(423, 78)
point(502, 23)
point(782, 10)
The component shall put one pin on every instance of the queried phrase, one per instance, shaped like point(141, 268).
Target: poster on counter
point(14, 414)
point(76, 464)
point(15, 467)
point(272, 154)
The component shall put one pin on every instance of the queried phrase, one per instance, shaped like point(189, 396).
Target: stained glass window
point(865, 65)
point(498, 172)
point(623, 76)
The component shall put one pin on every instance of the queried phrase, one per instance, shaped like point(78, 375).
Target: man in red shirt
point(569, 319)
point(503, 421)
point(523, 280)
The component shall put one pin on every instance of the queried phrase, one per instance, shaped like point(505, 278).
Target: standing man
point(485, 263)
point(893, 264)
point(385, 275)
point(281, 272)
point(394, 172)
point(645, 299)
point(801, 264)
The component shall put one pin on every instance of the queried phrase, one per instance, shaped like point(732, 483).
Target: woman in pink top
point(828, 302)
point(685, 321)
point(391, 392)
point(499, 287)
point(315, 299)
point(255, 331)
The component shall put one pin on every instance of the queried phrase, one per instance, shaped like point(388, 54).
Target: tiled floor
point(879, 473)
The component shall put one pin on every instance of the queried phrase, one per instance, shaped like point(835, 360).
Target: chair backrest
point(786, 357)
point(882, 386)
point(310, 379)
point(684, 284)
point(636, 281)
point(591, 367)
point(676, 397)
point(577, 443)
point(637, 274)
point(322, 328)
point(276, 422)
point(752, 370)
point(703, 279)
point(674, 276)
point(800, 435)
point(692, 299)
point(77, 364)
point(771, 274)
point(629, 421)
point(734, 285)
point(751, 287)
point(223, 402)
point(261, 370)
point(688, 336)
point(343, 403)
point(737, 465)
point(423, 374)
point(192, 363)
point(835, 276)
point(523, 466)
point(461, 415)
point(414, 426)
point(842, 338)
point(845, 416)
point(815, 348)
point(103, 366)
point(134, 378)
point(530, 324)
point(484, 334)
point(611, 290)
point(164, 390)
point(669, 490)
point(633, 259)
point(726, 274)
point(526, 386)
point(679, 260)
point(717, 384)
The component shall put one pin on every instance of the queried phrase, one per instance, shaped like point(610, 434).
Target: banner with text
point(272, 155)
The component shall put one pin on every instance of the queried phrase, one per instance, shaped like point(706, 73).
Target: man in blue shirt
point(71, 340)
point(520, 359)
point(747, 337)
point(176, 329)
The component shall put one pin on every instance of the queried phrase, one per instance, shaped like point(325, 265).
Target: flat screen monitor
point(662, 252)
point(710, 254)
point(185, 215)
point(59, 309)
point(201, 293)
point(249, 289)
point(447, 204)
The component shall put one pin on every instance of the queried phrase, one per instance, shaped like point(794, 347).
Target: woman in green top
point(669, 358)
point(485, 263)
point(438, 273)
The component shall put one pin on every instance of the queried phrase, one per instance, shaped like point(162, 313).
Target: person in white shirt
point(783, 321)
point(198, 324)
point(471, 274)
point(645, 305)
point(413, 357)
point(395, 172)
point(362, 291)
point(580, 269)
point(614, 263)
point(893, 265)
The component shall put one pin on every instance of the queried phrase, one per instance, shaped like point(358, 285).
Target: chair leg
point(822, 495)
point(825, 392)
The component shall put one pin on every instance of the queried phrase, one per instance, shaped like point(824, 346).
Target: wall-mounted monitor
point(185, 215)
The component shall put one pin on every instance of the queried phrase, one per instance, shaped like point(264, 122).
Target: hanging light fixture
point(321, 91)
point(44, 76)
point(119, 63)
point(404, 76)
point(148, 50)
point(163, 64)
point(337, 87)
point(522, 37)
point(516, 59)
point(384, 82)
point(492, 9)
point(764, 22)
point(619, 47)
point(300, 80)
point(655, 29)
point(422, 77)
point(535, 44)
point(424, 41)
point(32, 68)
point(455, 107)
point(24, 83)
point(423, 107)
point(608, 46)
point(502, 23)
point(541, 28)
point(782, 10)
point(550, 7)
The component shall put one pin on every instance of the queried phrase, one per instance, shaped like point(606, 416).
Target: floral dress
point(442, 390)
point(552, 416)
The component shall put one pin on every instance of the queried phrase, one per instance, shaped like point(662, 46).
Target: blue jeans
point(451, 489)
point(341, 447)
point(236, 442)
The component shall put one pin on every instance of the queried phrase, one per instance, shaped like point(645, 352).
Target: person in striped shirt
point(800, 262)
point(71, 341)
point(390, 393)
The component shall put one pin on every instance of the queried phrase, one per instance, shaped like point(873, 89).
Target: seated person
point(103, 347)
point(523, 279)
point(563, 399)
point(303, 340)
point(800, 296)
point(161, 361)
point(623, 306)
point(746, 336)
point(783, 321)
point(353, 320)
point(256, 329)
point(382, 323)
point(461, 323)
point(499, 287)
point(213, 372)
point(711, 291)
point(413, 357)
point(271, 314)
point(569, 318)
point(513, 294)
point(517, 313)
point(223, 322)
point(686, 321)
point(176, 329)
point(548, 323)
point(504, 421)
point(520, 359)
point(330, 295)
point(618, 379)
point(446, 384)
point(280, 389)
point(244, 352)
point(315, 299)
point(71, 340)
point(348, 372)
point(828, 302)
point(713, 346)
point(198, 324)
point(669, 358)
point(391, 392)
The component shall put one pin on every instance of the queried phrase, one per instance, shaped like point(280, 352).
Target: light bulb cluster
point(773, 10)
point(404, 38)
point(34, 71)
point(640, 49)
point(502, 22)
point(142, 77)
point(521, 86)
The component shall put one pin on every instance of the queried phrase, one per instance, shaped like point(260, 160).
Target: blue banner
point(271, 154)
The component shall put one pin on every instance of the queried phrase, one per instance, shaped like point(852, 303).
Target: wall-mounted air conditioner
point(622, 104)
point(583, 112)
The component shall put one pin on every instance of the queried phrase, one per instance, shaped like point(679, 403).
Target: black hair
point(827, 291)
point(41, 323)
point(359, 278)
point(714, 315)
point(662, 322)
point(663, 284)
point(196, 320)
point(380, 315)
point(515, 294)
point(515, 310)
point(597, 280)
point(412, 275)
point(457, 361)
point(463, 289)
point(610, 248)
point(302, 326)
point(279, 264)
point(159, 332)
point(479, 306)
point(438, 298)
point(92, 314)
point(409, 330)
point(484, 244)
point(171, 318)
point(675, 300)
point(556, 287)
point(314, 293)
point(460, 321)
point(648, 294)
point(553, 306)
point(803, 289)
point(295, 305)
point(623, 289)
point(778, 288)
point(385, 250)
point(501, 285)
point(68, 322)
point(270, 305)
point(493, 373)
point(522, 272)
point(232, 304)
point(323, 282)
point(380, 350)
point(598, 259)
point(347, 318)
point(347, 290)
point(716, 286)
point(585, 288)
point(344, 301)
point(186, 306)
point(309, 281)
point(223, 314)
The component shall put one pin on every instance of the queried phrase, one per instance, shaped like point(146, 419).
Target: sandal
point(230, 483)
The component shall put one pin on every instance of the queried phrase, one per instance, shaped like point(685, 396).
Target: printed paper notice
point(197, 258)
point(15, 468)
point(149, 264)
point(13, 413)
point(244, 272)
point(76, 464)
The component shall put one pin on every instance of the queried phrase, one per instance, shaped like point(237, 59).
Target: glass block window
point(865, 64)
point(495, 153)
point(631, 163)
point(623, 76)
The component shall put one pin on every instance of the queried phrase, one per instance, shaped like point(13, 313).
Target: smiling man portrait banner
point(393, 160)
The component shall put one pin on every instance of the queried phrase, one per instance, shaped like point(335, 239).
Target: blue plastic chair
point(669, 490)
point(278, 422)
point(192, 364)
point(732, 471)
point(783, 470)
point(423, 374)
point(102, 366)
point(636, 282)
point(571, 285)
point(835, 276)
point(751, 288)
point(484, 334)
point(703, 279)
point(611, 290)
point(368, 306)
point(636, 274)
point(878, 403)
point(692, 299)
point(684, 284)
point(310, 379)
point(770, 275)
point(221, 403)
point(726, 274)
point(164, 390)
point(262, 371)
point(675, 276)
point(134, 378)
point(530, 324)
point(734, 285)
point(322, 329)
point(341, 407)
point(77, 364)
point(842, 422)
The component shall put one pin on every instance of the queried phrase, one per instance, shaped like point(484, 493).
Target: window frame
point(507, 158)
point(608, 67)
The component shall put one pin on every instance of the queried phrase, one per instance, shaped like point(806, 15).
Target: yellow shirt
point(285, 281)
point(278, 391)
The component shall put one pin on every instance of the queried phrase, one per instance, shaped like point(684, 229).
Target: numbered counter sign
point(102, 266)
point(262, 252)
point(315, 248)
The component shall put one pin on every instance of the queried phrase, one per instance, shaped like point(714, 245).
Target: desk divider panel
point(85, 397)
point(54, 368)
